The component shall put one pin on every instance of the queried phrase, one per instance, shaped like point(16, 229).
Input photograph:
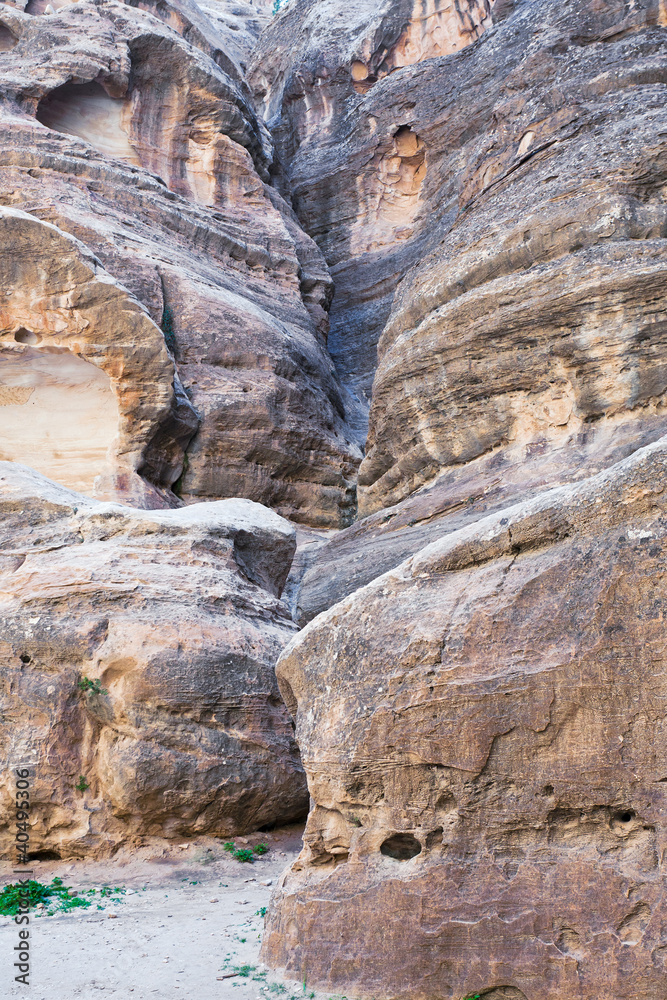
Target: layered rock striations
point(354, 164)
point(479, 697)
point(138, 651)
point(481, 724)
point(483, 730)
point(519, 317)
point(77, 354)
point(137, 137)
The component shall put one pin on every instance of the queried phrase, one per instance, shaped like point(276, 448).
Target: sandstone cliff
point(137, 136)
point(493, 820)
point(397, 273)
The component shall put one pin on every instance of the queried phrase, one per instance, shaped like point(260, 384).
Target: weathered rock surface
point(527, 170)
point(522, 310)
point(137, 137)
point(351, 166)
point(483, 730)
point(176, 613)
point(87, 386)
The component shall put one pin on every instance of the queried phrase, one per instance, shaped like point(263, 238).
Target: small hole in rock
point(23, 336)
point(627, 816)
point(25, 658)
point(548, 790)
point(401, 847)
point(45, 856)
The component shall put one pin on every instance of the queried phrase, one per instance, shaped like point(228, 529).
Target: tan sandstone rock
point(483, 730)
point(176, 615)
point(521, 313)
point(86, 382)
point(137, 136)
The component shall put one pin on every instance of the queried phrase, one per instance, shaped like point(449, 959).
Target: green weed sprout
point(91, 687)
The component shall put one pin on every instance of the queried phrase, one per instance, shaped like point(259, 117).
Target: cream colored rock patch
point(87, 111)
point(58, 414)
point(439, 28)
point(390, 194)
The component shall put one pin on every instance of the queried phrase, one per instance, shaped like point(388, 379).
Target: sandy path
point(189, 917)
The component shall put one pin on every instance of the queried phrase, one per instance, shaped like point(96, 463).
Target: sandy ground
point(189, 917)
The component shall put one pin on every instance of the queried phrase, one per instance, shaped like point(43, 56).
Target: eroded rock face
point(86, 381)
point(176, 615)
point(520, 312)
point(353, 163)
point(137, 136)
point(483, 730)
point(478, 174)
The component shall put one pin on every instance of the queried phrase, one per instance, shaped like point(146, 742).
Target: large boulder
point(88, 390)
point(138, 651)
point(483, 730)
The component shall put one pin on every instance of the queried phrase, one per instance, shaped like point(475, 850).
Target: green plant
point(243, 854)
point(240, 853)
point(244, 970)
point(92, 687)
point(55, 895)
point(261, 849)
point(261, 912)
point(81, 784)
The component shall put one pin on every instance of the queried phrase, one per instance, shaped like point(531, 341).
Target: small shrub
point(243, 854)
point(81, 784)
point(261, 912)
point(261, 849)
point(239, 853)
point(91, 687)
point(244, 970)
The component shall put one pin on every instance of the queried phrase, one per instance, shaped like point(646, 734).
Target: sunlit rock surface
point(88, 390)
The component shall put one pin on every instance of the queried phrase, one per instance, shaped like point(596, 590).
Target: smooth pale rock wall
point(483, 730)
point(60, 413)
point(176, 614)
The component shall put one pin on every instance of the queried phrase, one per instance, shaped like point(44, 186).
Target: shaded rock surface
point(176, 615)
point(483, 730)
point(352, 163)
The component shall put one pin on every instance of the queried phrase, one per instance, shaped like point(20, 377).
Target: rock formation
point(174, 616)
point(137, 137)
point(396, 272)
point(519, 315)
point(479, 715)
point(484, 733)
